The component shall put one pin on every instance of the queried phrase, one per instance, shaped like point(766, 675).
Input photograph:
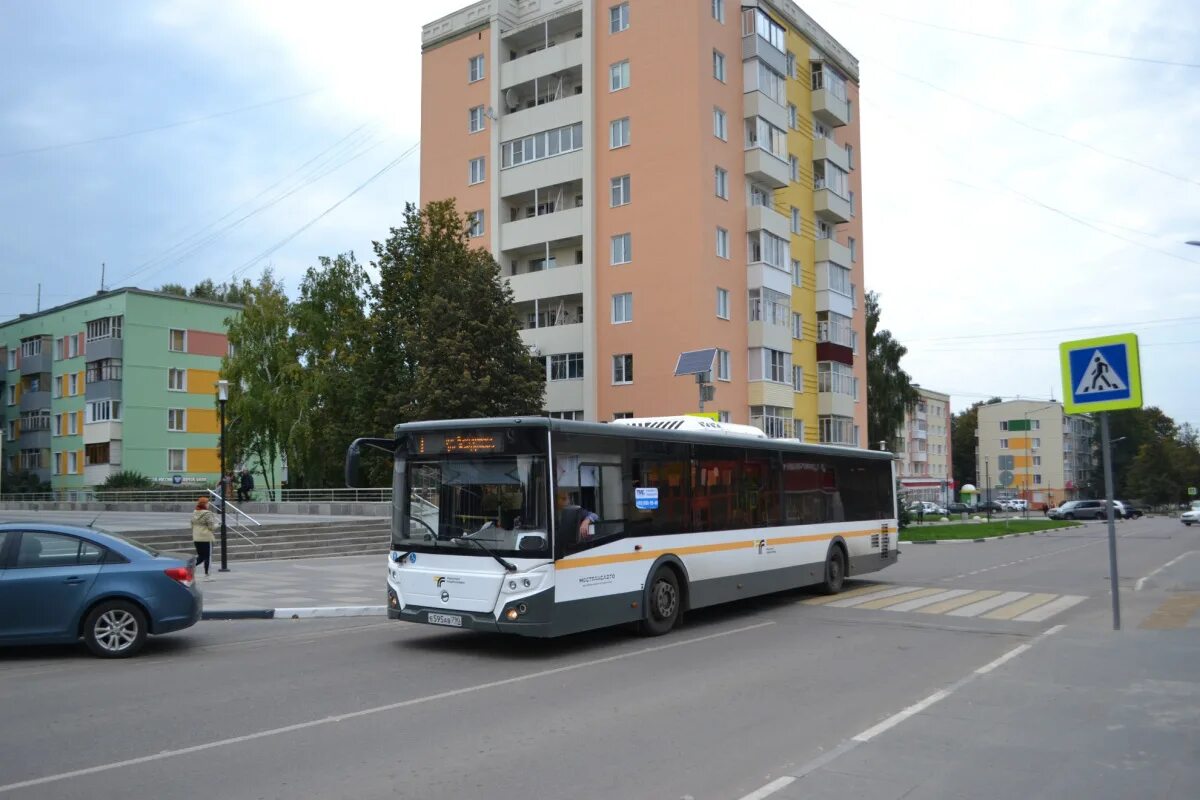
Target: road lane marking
point(820, 601)
point(853, 601)
point(770, 789)
point(913, 605)
point(975, 609)
point(957, 602)
point(890, 602)
point(900, 716)
point(1021, 606)
point(299, 726)
point(1174, 613)
point(1137, 587)
point(1043, 613)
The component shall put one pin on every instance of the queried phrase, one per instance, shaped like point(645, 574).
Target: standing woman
point(204, 522)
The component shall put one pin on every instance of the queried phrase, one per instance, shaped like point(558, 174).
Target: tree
point(173, 288)
point(445, 336)
point(263, 374)
point(963, 427)
point(890, 391)
point(1129, 430)
point(329, 333)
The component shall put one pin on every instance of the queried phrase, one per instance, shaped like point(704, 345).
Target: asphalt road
point(766, 693)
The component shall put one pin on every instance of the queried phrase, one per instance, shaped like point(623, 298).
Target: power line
point(155, 128)
point(1010, 334)
point(275, 247)
point(1025, 42)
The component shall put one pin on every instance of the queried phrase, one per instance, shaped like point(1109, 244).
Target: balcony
point(755, 46)
point(35, 365)
point(110, 347)
point(831, 151)
point(765, 334)
point(542, 228)
point(35, 401)
point(835, 404)
point(101, 432)
point(102, 390)
point(920, 434)
point(919, 456)
point(35, 438)
point(552, 282)
point(757, 104)
point(768, 219)
point(554, 339)
point(543, 117)
point(531, 175)
point(767, 169)
point(531, 54)
point(829, 101)
point(830, 206)
point(830, 250)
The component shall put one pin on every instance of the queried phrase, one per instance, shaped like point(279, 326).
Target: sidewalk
point(354, 584)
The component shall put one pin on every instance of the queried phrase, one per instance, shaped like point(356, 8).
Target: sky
point(1030, 169)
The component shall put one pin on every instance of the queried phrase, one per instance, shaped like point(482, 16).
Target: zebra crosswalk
point(971, 603)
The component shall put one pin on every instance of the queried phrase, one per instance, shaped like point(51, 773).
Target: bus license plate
point(453, 620)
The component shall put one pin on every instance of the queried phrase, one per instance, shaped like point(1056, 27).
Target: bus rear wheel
point(662, 610)
point(835, 571)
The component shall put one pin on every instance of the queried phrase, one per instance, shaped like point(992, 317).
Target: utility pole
point(102, 266)
point(39, 298)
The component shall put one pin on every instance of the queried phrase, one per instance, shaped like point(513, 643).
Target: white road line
point(900, 716)
point(1011, 654)
point(1047, 611)
point(863, 598)
point(910, 605)
point(770, 789)
point(1002, 599)
point(1142, 581)
point(370, 711)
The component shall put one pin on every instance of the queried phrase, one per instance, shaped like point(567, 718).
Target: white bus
point(491, 531)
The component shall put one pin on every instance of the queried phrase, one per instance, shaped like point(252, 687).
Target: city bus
point(544, 527)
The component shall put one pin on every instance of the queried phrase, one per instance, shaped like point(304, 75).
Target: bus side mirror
point(352, 466)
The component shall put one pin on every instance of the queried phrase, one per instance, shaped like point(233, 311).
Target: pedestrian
point(204, 522)
point(245, 486)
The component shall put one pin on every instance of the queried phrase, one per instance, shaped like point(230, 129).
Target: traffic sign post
point(1102, 375)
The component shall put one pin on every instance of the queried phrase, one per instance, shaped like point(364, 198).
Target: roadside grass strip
point(981, 530)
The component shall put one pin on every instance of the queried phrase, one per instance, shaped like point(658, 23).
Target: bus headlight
point(511, 615)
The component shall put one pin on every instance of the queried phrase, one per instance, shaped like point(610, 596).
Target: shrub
point(128, 479)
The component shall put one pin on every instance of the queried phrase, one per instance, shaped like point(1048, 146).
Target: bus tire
point(664, 603)
point(835, 570)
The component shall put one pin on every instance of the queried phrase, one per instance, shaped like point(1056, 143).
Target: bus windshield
point(501, 502)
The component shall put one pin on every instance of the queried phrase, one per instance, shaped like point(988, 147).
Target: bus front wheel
point(835, 571)
point(662, 612)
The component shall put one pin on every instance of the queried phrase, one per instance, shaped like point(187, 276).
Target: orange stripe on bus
point(643, 555)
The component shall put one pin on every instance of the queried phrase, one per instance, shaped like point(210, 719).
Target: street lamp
point(222, 397)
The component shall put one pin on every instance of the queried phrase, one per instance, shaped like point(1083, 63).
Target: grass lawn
point(980, 530)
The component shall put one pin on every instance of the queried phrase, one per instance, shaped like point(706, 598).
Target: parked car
point(1126, 510)
point(1018, 505)
point(959, 508)
point(1192, 515)
point(1081, 509)
point(61, 583)
point(927, 508)
point(989, 505)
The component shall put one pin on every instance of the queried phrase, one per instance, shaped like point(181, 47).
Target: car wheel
point(835, 571)
point(115, 629)
point(1188, 524)
point(1069, 515)
point(662, 612)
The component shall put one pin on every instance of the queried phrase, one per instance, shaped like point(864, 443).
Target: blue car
point(60, 583)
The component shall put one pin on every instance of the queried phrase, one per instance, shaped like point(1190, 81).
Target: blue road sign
point(1101, 374)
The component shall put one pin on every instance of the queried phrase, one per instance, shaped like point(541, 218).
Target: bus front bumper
point(533, 615)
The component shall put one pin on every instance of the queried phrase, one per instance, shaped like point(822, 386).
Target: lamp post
point(222, 396)
point(987, 479)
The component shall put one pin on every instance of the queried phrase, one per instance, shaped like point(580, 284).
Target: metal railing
point(237, 526)
point(376, 495)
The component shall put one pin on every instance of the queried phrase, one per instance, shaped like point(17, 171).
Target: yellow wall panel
point(203, 420)
point(203, 459)
point(202, 381)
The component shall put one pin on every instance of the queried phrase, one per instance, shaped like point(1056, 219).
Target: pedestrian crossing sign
point(1101, 374)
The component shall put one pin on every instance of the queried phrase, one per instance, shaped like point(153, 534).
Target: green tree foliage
point(263, 373)
point(890, 391)
point(208, 290)
point(1153, 459)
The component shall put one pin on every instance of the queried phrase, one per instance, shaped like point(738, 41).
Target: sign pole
point(1112, 525)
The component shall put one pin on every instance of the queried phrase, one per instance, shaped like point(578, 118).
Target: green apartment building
point(124, 380)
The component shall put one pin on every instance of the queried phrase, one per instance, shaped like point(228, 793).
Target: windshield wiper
point(506, 564)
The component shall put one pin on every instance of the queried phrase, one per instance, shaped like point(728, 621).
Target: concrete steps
point(300, 540)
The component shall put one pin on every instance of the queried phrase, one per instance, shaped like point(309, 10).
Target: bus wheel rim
point(664, 599)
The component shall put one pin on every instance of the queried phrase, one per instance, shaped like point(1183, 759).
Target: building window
point(176, 419)
point(721, 183)
point(96, 453)
point(719, 65)
point(774, 421)
point(718, 11)
point(475, 223)
point(849, 111)
point(723, 365)
point(765, 136)
point(1037, 443)
point(850, 155)
point(538, 146)
point(620, 191)
point(622, 308)
point(851, 198)
point(12, 359)
point(59, 347)
point(475, 119)
point(103, 411)
point(771, 365)
point(797, 378)
point(176, 341)
point(1037, 478)
point(475, 69)
point(12, 394)
point(73, 423)
point(793, 169)
point(791, 65)
point(767, 248)
point(723, 303)
point(792, 117)
point(797, 273)
point(618, 133)
point(622, 249)
point(618, 76)
point(177, 380)
point(618, 18)
point(837, 430)
point(176, 460)
point(475, 171)
point(566, 367)
point(107, 369)
point(72, 462)
point(1004, 444)
point(722, 243)
point(623, 368)
point(756, 20)
point(769, 306)
point(797, 325)
point(839, 278)
point(73, 383)
point(565, 414)
point(836, 378)
point(107, 328)
point(720, 129)
point(853, 245)
point(795, 220)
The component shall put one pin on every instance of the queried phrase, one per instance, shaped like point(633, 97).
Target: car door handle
point(73, 581)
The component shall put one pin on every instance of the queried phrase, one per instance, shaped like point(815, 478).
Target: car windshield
point(457, 505)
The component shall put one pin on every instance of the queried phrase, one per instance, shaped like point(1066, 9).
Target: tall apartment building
point(1032, 450)
point(122, 380)
point(923, 458)
point(661, 177)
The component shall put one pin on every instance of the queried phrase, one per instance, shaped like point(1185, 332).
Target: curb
point(316, 612)
point(977, 541)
